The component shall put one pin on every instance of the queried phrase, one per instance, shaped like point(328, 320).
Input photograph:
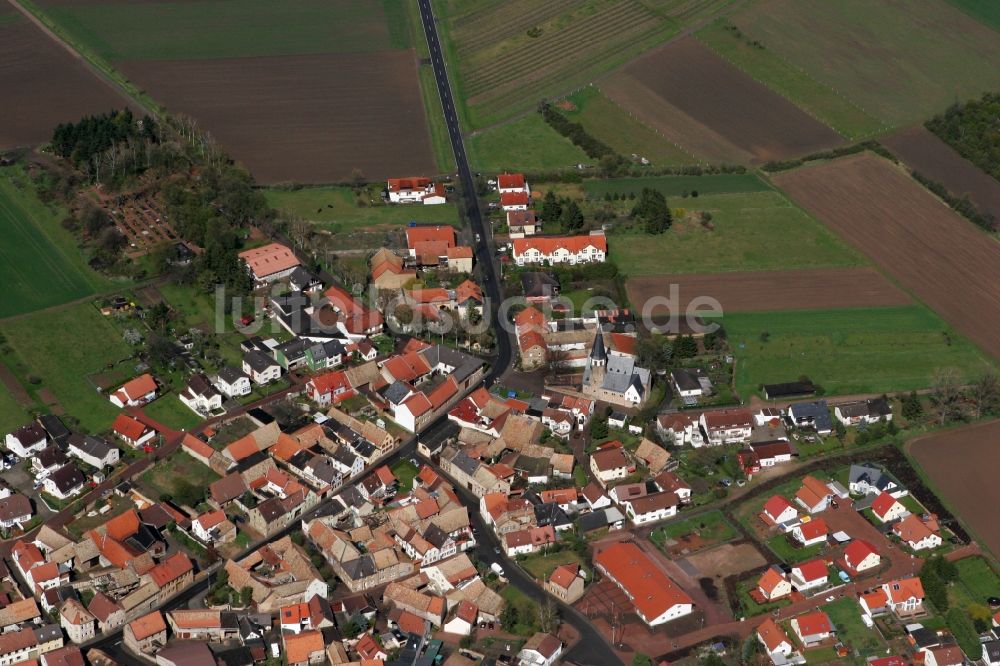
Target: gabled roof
point(811, 570)
point(510, 181)
point(770, 580)
point(128, 427)
point(815, 623)
point(772, 635)
point(148, 625)
point(814, 529)
point(857, 551)
point(171, 569)
point(564, 575)
point(268, 259)
point(883, 504)
point(652, 592)
point(776, 505)
point(138, 387)
point(902, 589)
point(911, 529)
point(547, 245)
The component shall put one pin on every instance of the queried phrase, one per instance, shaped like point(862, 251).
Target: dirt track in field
point(926, 247)
point(309, 118)
point(762, 291)
point(713, 109)
point(922, 151)
point(962, 465)
point(43, 85)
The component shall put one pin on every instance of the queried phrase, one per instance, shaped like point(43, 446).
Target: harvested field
point(726, 560)
point(289, 119)
point(43, 84)
point(961, 465)
point(729, 115)
point(748, 291)
point(919, 241)
point(922, 151)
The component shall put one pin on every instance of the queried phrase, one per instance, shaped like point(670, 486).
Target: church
point(614, 377)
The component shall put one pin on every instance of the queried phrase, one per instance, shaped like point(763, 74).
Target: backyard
point(341, 209)
point(180, 477)
point(541, 565)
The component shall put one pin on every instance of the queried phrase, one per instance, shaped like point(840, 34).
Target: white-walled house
point(27, 440)
point(261, 368)
point(591, 248)
point(200, 396)
point(233, 382)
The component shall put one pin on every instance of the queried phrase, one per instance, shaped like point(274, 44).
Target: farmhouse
point(656, 598)
point(269, 262)
point(572, 250)
point(415, 190)
point(135, 392)
point(863, 411)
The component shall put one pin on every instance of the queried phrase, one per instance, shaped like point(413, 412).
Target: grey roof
point(345, 456)
point(595, 520)
point(464, 364)
point(300, 278)
point(992, 650)
point(328, 349)
point(198, 385)
point(362, 567)
point(259, 361)
point(67, 477)
point(875, 407)
point(816, 411)
point(231, 374)
point(465, 463)
point(51, 456)
point(295, 348)
point(364, 448)
point(54, 426)
point(788, 389)
point(290, 303)
point(90, 445)
point(552, 514)
point(597, 351)
point(396, 392)
point(435, 535)
point(538, 285)
point(622, 372)
point(48, 632)
point(688, 379)
point(323, 469)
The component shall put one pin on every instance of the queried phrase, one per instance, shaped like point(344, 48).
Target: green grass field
point(232, 28)
point(541, 565)
point(846, 616)
point(677, 186)
point(12, 414)
point(405, 472)
point(170, 411)
point(527, 144)
point(977, 581)
point(984, 11)
point(711, 526)
point(752, 231)
point(903, 62)
point(790, 81)
point(848, 351)
point(608, 122)
point(60, 348)
point(336, 209)
point(162, 476)
point(40, 263)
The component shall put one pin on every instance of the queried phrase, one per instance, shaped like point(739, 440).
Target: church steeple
point(598, 355)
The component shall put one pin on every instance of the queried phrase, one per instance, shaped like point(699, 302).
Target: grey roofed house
point(464, 364)
point(872, 408)
point(324, 470)
point(361, 567)
point(47, 633)
point(465, 463)
point(595, 520)
point(271, 509)
point(259, 361)
point(814, 413)
point(789, 389)
point(345, 456)
point(29, 433)
point(239, 655)
point(227, 488)
point(302, 280)
point(537, 284)
point(870, 476)
point(550, 513)
point(93, 446)
point(991, 650)
point(396, 392)
point(13, 507)
point(54, 427)
point(67, 477)
point(231, 374)
point(294, 350)
point(199, 386)
point(435, 536)
point(328, 349)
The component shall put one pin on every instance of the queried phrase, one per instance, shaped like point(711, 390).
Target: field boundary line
point(697, 160)
point(97, 65)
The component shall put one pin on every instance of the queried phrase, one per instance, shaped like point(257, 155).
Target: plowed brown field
point(942, 258)
point(309, 118)
point(962, 466)
point(922, 151)
point(43, 85)
point(757, 291)
point(719, 112)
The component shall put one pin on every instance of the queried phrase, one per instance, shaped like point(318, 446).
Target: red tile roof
point(439, 233)
point(509, 181)
point(546, 245)
point(814, 529)
point(857, 551)
point(564, 575)
point(608, 459)
point(514, 199)
point(812, 624)
point(883, 503)
point(812, 570)
point(148, 625)
point(329, 382)
point(905, 588)
point(268, 259)
point(300, 647)
point(652, 592)
point(171, 569)
point(139, 386)
point(771, 579)
point(128, 427)
point(772, 635)
point(413, 183)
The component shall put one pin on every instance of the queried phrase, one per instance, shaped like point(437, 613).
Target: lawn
point(232, 28)
point(677, 186)
point(59, 349)
point(527, 611)
point(163, 477)
point(198, 310)
point(170, 411)
point(786, 552)
point(846, 616)
point(12, 414)
point(337, 209)
point(527, 144)
point(848, 351)
point(789, 80)
point(405, 472)
point(903, 62)
point(749, 605)
point(711, 526)
point(40, 262)
point(541, 565)
point(607, 122)
point(80, 525)
point(752, 231)
point(984, 11)
point(977, 581)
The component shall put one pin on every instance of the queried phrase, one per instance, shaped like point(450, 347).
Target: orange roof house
point(549, 245)
point(148, 625)
point(773, 584)
point(131, 430)
point(773, 637)
point(656, 598)
point(135, 391)
point(306, 647)
point(812, 628)
point(269, 262)
point(511, 181)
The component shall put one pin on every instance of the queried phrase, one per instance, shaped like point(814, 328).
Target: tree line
point(971, 129)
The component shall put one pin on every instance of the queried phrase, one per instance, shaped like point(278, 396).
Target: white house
point(779, 511)
point(917, 534)
point(812, 628)
point(261, 368)
point(65, 482)
point(135, 392)
point(887, 508)
point(26, 440)
point(727, 426)
point(132, 431)
point(572, 250)
point(861, 555)
point(79, 623)
point(92, 450)
point(414, 190)
point(775, 641)
point(863, 411)
point(810, 533)
point(206, 526)
point(514, 201)
point(15, 510)
point(808, 575)
point(652, 507)
point(773, 584)
point(346, 462)
point(233, 382)
point(463, 620)
point(509, 183)
point(542, 649)
point(609, 465)
point(200, 396)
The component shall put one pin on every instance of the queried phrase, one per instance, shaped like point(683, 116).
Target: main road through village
point(592, 647)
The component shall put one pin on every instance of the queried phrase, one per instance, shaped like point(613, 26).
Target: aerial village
point(388, 505)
